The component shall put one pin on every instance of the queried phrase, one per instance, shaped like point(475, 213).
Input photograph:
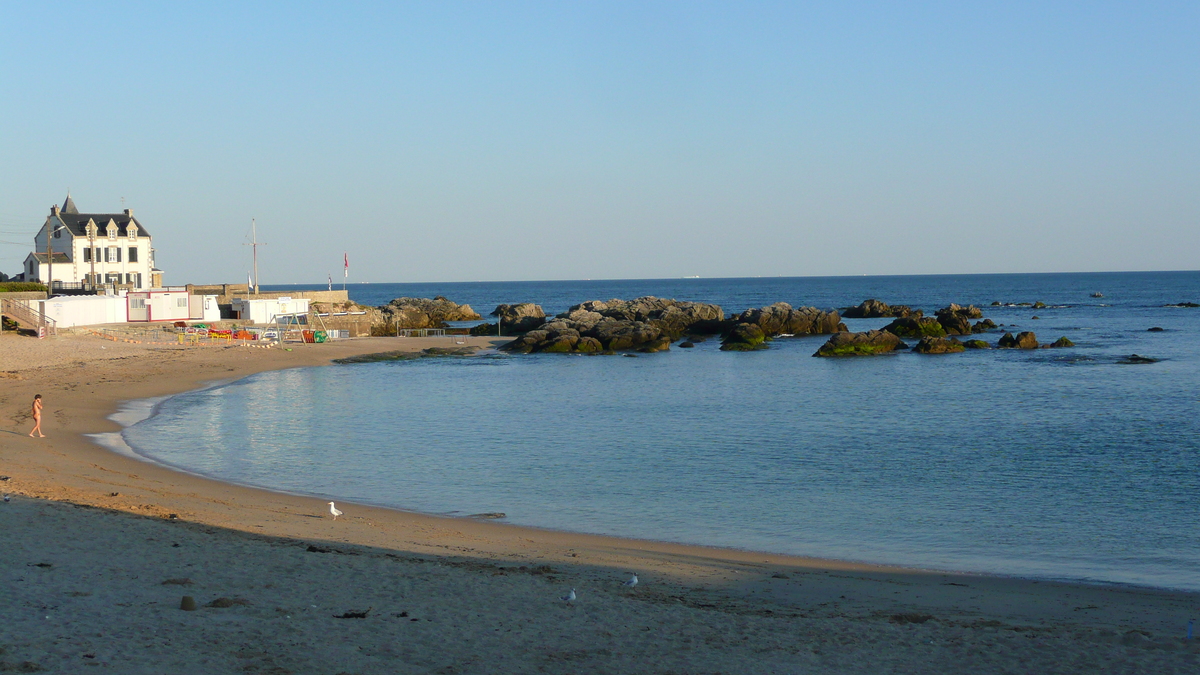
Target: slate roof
point(59, 257)
point(77, 223)
point(69, 205)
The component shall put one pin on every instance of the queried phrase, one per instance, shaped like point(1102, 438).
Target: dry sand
point(99, 549)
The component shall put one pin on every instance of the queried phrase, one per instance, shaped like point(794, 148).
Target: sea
point(1066, 463)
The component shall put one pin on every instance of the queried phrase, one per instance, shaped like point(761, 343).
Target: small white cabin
point(160, 304)
point(203, 308)
point(264, 310)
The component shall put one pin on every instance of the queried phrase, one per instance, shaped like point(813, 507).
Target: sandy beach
point(100, 548)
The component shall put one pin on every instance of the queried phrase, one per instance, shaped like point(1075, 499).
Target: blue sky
point(496, 141)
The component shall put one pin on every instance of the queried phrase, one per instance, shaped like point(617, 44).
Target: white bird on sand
point(631, 582)
point(334, 510)
point(569, 597)
point(6, 497)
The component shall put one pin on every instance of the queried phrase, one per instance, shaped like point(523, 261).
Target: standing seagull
point(569, 597)
point(334, 510)
point(631, 582)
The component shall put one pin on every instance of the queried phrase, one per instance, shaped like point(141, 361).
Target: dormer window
point(132, 230)
point(112, 230)
point(91, 229)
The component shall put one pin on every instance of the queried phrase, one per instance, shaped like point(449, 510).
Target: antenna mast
point(254, 244)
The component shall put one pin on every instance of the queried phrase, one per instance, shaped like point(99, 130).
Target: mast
point(254, 244)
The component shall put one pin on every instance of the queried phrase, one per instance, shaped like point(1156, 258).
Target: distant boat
point(1097, 294)
point(695, 276)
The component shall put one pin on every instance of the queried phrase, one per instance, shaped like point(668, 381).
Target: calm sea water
point(1049, 463)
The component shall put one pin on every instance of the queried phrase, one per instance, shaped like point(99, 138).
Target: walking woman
point(37, 417)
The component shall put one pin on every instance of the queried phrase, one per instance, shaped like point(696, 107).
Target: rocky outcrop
point(673, 318)
point(519, 318)
point(1155, 329)
point(876, 309)
point(424, 313)
point(744, 337)
point(1182, 304)
point(590, 334)
point(934, 345)
point(1137, 358)
point(976, 344)
point(956, 319)
point(860, 344)
point(916, 327)
point(781, 319)
point(1024, 340)
point(983, 326)
point(1060, 342)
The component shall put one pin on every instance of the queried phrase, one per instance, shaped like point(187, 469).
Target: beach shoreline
point(69, 478)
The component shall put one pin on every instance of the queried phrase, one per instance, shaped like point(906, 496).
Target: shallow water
point(1049, 463)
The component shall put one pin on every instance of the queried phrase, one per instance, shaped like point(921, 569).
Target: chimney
point(54, 209)
point(129, 212)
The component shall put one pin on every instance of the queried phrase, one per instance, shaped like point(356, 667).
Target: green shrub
point(21, 287)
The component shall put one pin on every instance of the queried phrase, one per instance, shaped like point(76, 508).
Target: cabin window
point(137, 303)
point(181, 302)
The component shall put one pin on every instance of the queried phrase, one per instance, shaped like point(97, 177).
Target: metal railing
point(26, 314)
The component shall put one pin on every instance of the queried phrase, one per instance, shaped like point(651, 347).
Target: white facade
point(165, 304)
point(264, 310)
point(93, 248)
point(84, 310)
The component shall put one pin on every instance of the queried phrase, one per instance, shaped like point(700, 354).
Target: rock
point(672, 318)
point(781, 319)
point(1135, 358)
point(743, 338)
point(188, 604)
point(976, 344)
point(1024, 340)
point(1097, 294)
point(1035, 317)
point(875, 309)
point(934, 345)
point(484, 330)
point(1184, 304)
point(916, 327)
point(519, 318)
point(588, 345)
point(1155, 329)
point(983, 326)
point(563, 335)
point(860, 344)
point(1060, 342)
point(956, 319)
point(1039, 305)
point(686, 344)
point(424, 313)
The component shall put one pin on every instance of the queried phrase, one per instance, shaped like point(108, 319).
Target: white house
point(96, 249)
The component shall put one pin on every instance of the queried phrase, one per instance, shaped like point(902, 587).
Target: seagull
point(631, 582)
point(6, 498)
point(569, 597)
point(334, 510)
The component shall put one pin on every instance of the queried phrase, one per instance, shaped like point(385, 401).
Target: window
point(112, 232)
point(181, 302)
point(87, 254)
point(58, 234)
point(137, 303)
point(132, 254)
point(112, 254)
point(132, 230)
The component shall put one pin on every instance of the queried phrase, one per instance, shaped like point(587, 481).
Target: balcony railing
point(26, 314)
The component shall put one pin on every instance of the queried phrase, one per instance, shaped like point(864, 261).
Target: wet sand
point(91, 536)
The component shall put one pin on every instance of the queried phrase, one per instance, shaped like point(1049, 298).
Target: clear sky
point(445, 141)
